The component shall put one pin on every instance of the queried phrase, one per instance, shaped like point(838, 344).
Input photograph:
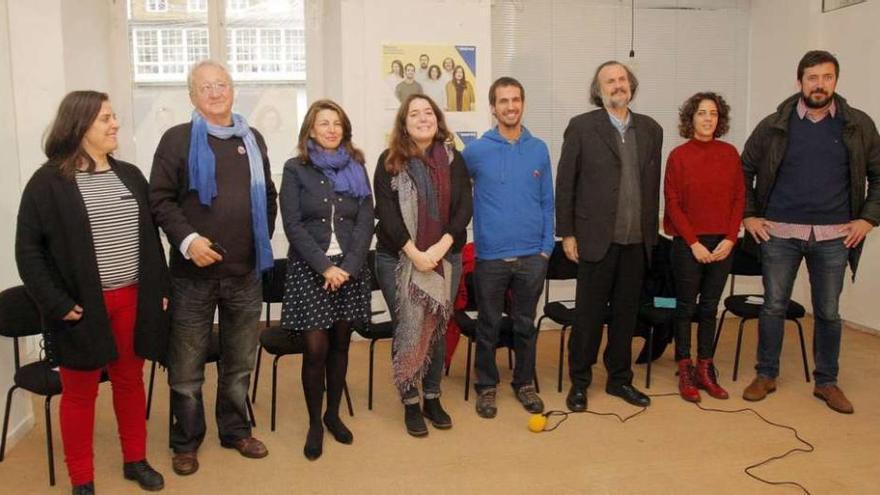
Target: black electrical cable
point(632, 30)
point(808, 447)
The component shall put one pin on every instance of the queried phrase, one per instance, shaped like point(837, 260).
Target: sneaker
point(528, 397)
point(486, 407)
point(436, 415)
point(147, 477)
point(415, 422)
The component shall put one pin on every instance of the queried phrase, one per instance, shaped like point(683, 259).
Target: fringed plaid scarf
point(423, 305)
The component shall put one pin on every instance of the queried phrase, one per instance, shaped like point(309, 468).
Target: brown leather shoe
point(184, 463)
point(833, 396)
point(759, 388)
point(248, 447)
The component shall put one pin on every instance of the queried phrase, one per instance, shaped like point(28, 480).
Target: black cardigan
point(391, 233)
point(56, 261)
point(306, 199)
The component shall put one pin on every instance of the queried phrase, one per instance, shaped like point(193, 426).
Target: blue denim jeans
point(386, 265)
point(826, 264)
point(524, 276)
point(193, 303)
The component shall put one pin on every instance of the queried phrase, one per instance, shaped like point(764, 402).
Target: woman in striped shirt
point(89, 254)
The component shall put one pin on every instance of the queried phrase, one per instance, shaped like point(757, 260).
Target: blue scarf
point(202, 178)
point(343, 171)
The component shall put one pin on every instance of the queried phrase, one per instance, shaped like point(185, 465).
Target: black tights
point(326, 353)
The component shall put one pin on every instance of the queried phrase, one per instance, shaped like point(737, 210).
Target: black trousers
point(693, 278)
point(608, 287)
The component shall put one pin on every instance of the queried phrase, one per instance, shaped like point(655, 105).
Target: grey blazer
point(307, 200)
point(588, 180)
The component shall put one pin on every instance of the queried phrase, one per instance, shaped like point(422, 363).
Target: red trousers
point(80, 389)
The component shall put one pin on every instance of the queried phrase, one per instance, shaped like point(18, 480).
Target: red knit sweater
point(705, 191)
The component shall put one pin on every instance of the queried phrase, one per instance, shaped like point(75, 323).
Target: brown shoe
point(248, 447)
point(759, 388)
point(185, 463)
point(833, 396)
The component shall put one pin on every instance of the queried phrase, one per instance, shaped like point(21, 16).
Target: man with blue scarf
point(211, 191)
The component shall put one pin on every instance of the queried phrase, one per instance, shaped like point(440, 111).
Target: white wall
point(351, 72)
point(776, 48)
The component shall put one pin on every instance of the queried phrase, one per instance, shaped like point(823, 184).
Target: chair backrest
point(558, 268)
point(273, 282)
point(659, 278)
point(371, 263)
point(19, 315)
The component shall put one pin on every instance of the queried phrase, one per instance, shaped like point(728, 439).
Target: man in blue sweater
point(513, 233)
point(806, 170)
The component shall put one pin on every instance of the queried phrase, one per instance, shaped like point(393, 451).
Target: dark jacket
point(306, 199)
point(56, 261)
point(588, 181)
point(765, 149)
point(227, 221)
point(391, 232)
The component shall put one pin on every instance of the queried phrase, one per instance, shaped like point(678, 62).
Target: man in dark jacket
point(211, 192)
point(607, 202)
point(806, 167)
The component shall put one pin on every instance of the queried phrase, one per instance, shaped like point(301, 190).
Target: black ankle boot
point(84, 489)
point(147, 477)
point(436, 415)
point(314, 443)
point(415, 422)
point(338, 429)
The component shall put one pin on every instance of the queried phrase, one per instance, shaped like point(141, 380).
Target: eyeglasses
point(217, 87)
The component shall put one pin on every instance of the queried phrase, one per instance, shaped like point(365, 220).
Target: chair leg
point(348, 399)
point(257, 374)
point(6, 421)
point(274, 388)
point(250, 410)
point(50, 452)
point(370, 379)
point(650, 343)
point(509, 359)
point(803, 350)
point(467, 371)
point(561, 355)
point(718, 332)
point(150, 388)
point(739, 338)
point(535, 376)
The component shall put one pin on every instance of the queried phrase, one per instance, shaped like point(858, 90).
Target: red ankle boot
point(707, 380)
point(686, 386)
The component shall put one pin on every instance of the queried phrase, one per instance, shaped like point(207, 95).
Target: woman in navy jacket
point(327, 209)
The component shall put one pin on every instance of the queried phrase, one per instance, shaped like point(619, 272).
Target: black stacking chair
point(19, 317)
point(560, 311)
point(373, 331)
point(747, 265)
point(276, 340)
point(467, 323)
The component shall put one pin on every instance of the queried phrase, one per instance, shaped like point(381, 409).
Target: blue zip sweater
point(513, 195)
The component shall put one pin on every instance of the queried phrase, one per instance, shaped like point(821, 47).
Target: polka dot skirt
point(308, 306)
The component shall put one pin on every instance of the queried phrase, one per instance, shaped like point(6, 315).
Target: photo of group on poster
point(446, 73)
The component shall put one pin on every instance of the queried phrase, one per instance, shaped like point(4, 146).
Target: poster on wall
point(446, 73)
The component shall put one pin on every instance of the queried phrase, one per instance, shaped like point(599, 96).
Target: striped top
point(113, 215)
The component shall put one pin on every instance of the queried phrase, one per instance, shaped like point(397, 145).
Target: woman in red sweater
point(705, 195)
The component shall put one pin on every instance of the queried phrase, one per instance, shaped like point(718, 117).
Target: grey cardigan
point(307, 202)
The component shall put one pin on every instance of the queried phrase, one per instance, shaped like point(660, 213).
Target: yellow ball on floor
point(537, 423)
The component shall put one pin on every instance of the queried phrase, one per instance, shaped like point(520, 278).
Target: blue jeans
point(386, 265)
point(193, 303)
point(524, 276)
point(826, 264)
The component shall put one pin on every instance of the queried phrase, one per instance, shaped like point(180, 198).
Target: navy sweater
point(812, 186)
